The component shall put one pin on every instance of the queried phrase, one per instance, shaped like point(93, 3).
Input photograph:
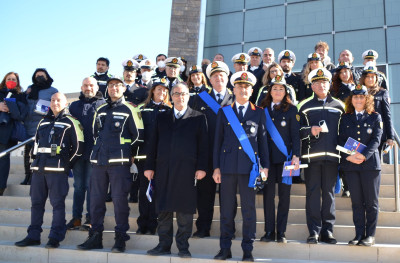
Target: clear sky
point(67, 37)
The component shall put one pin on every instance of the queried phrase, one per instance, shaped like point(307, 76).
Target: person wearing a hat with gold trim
point(197, 82)
point(342, 81)
point(362, 169)
point(172, 69)
point(236, 162)
point(220, 96)
point(286, 60)
point(369, 57)
point(319, 118)
point(256, 67)
point(240, 63)
point(131, 67)
point(284, 117)
point(369, 78)
point(313, 62)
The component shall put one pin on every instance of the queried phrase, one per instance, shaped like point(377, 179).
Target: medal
point(117, 124)
point(365, 124)
point(369, 130)
point(252, 129)
point(283, 123)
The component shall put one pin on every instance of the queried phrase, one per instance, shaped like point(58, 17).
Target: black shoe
point(201, 234)
point(328, 238)
point(268, 237)
point(133, 199)
point(224, 254)
point(75, 223)
point(27, 242)
point(2, 191)
point(159, 251)
point(141, 231)
point(151, 231)
point(53, 243)
point(367, 242)
point(280, 237)
point(108, 198)
point(94, 241)
point(119, 245)
point(184, 254)
point(247, 256)
point(27, 180)
point(86, 226)
point(355, 240)
point(346, 194)
point(312, 239)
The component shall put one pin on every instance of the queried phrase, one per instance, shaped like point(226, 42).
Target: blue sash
point(244, 141)
point(210, 101)
point(277, 138)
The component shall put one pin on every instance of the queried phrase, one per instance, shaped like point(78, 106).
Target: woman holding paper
point(284, 145)
point(12, 110)
point(362, 169)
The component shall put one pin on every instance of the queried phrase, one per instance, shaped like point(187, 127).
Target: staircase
point(15, 218)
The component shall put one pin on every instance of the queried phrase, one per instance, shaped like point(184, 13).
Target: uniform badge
point(314, 55)
point(194, 67)
point(255, 51)
point(286, 54)
point(369, 130)
point(214, 64)
point(244, 76)
point(320, 73)
point(163, 80)
point(283, 123)
point(278, 78)
point(341, 64)
point(129, 63)
point(140, 56)
point(175, 60)
point(252, 129)
point(117, 124)
point(297, 117)
point(241, 57)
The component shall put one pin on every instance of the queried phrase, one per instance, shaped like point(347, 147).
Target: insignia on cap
point(147, 63)
point(342, 64)
point(370, 53)
point(278, 78)
point(241, 57)
point(183, 58)
point(244, 76)
point(359, 87)
point(175, 60)
point(214, 65)
point(371, 68)
point(314, 55)
point(320, 73)
point(129, 63)
point(286, 54)
point(140, 56)
point(194, 67)
point(163, 80)
point(255, 50)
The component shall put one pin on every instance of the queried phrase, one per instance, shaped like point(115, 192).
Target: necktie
point(274, 107)
point(286, 75)
point(241, 112)
point(359, 115)
point(178, 115)
point(219, 100)
point(127, 87)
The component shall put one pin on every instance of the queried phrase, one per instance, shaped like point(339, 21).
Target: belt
point(44, 150)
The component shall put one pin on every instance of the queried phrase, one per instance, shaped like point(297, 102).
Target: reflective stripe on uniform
point(118, 160)
point(62, 123)
point(123, 140)
point(322, 108)
point(139, 157)
point(35, 168)
point(48, 150)
point(311, 155)
point(44, 123)
point(120, 113)
point(54, 169)
point(93, 161)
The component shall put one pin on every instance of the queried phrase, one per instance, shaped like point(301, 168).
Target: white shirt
point(362, 112)
point(223, 92)
point(246, 105)
point(157, 103)
point(273, 104)
point(182, 112)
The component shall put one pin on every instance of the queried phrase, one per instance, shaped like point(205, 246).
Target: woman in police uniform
point(196, 82)
point(362, 170)
point(313, 62)
point(342, 81)
point(286, 120)
point(156, 102)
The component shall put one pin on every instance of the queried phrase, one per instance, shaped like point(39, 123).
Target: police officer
point(362, 169)
point(157, 102)
point(256, 67)
point(313, 62)
point(319, 118)
point(118, 128)
point(287, 59)
point(147, 71)
point(102, 75)
point(220, 96)
point(173, 65)
point(370, 56)
point(58, 143)
point(197, 82)
point(283, 145)
point(342, 81)
point(240, 63)
point(131, 67)
point(235, 160)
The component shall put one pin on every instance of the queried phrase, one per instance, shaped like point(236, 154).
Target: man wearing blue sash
point(209, 102)
point(240, 147)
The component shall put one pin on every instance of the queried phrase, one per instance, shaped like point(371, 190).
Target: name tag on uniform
point(59, 126)
point(118, 117)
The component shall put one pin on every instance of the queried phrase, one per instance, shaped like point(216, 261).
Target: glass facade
point(357, 25)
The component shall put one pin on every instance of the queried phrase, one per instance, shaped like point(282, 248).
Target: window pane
point(358, 14)
point(276, 45)
point(393, 44)
point(394, 80)
point(262, 3)
point(223, 6)
point(359, 41)
point(302, 46)
point(258, 28)
point(224, 29)
point(392, 12)
point(226, 51)
point(302, 18)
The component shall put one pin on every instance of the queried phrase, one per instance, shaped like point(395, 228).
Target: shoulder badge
point(297, 117)
point(381, 124)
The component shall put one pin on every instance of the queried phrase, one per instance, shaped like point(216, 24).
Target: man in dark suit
point(235, 160)
point(176, 159)
point(287, 59)
point(221, 96)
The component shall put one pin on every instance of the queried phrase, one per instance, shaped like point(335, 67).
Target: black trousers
point(320, 179)
point(147, 219)
point(206, 189)
point(229, 184)
point(120, 180)
point(275, 177)
point(364, 189)
point(55, 186)
point(165, 229)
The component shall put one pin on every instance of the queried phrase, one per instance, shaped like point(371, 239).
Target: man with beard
point(287, 59)
point(83, 110)
point(38, 98)
point(101, 74)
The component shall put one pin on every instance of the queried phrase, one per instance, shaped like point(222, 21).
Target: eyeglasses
point(274, 71)
point(118, 85)
point(177, 94)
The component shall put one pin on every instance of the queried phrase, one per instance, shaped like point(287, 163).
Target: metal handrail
point(3, 153)
point(396, 171)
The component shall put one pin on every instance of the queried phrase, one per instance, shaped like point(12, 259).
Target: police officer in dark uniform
point(218, 74)
point(58, 143)
point(172, 69)
point(131, 67)
point(102, 75)
point(287, 59)
point(157, 102)
point(342, 81)
point(196, 82)
point(234, 162)
point(118, 128)
point(370, 56)
point(256, 67)
point(362, 170)
point(319, 118)
point(283, 115)
point(240, 63)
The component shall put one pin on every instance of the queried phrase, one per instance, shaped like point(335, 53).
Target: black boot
point(94, 241)
point(119, 245)
point(2, 191)
point(27, 180)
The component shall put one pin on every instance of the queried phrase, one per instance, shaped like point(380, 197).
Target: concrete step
point(203, 250)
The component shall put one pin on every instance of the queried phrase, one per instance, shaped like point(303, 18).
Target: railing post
point(396, 177)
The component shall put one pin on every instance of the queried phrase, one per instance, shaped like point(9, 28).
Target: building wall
point(236, 26)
